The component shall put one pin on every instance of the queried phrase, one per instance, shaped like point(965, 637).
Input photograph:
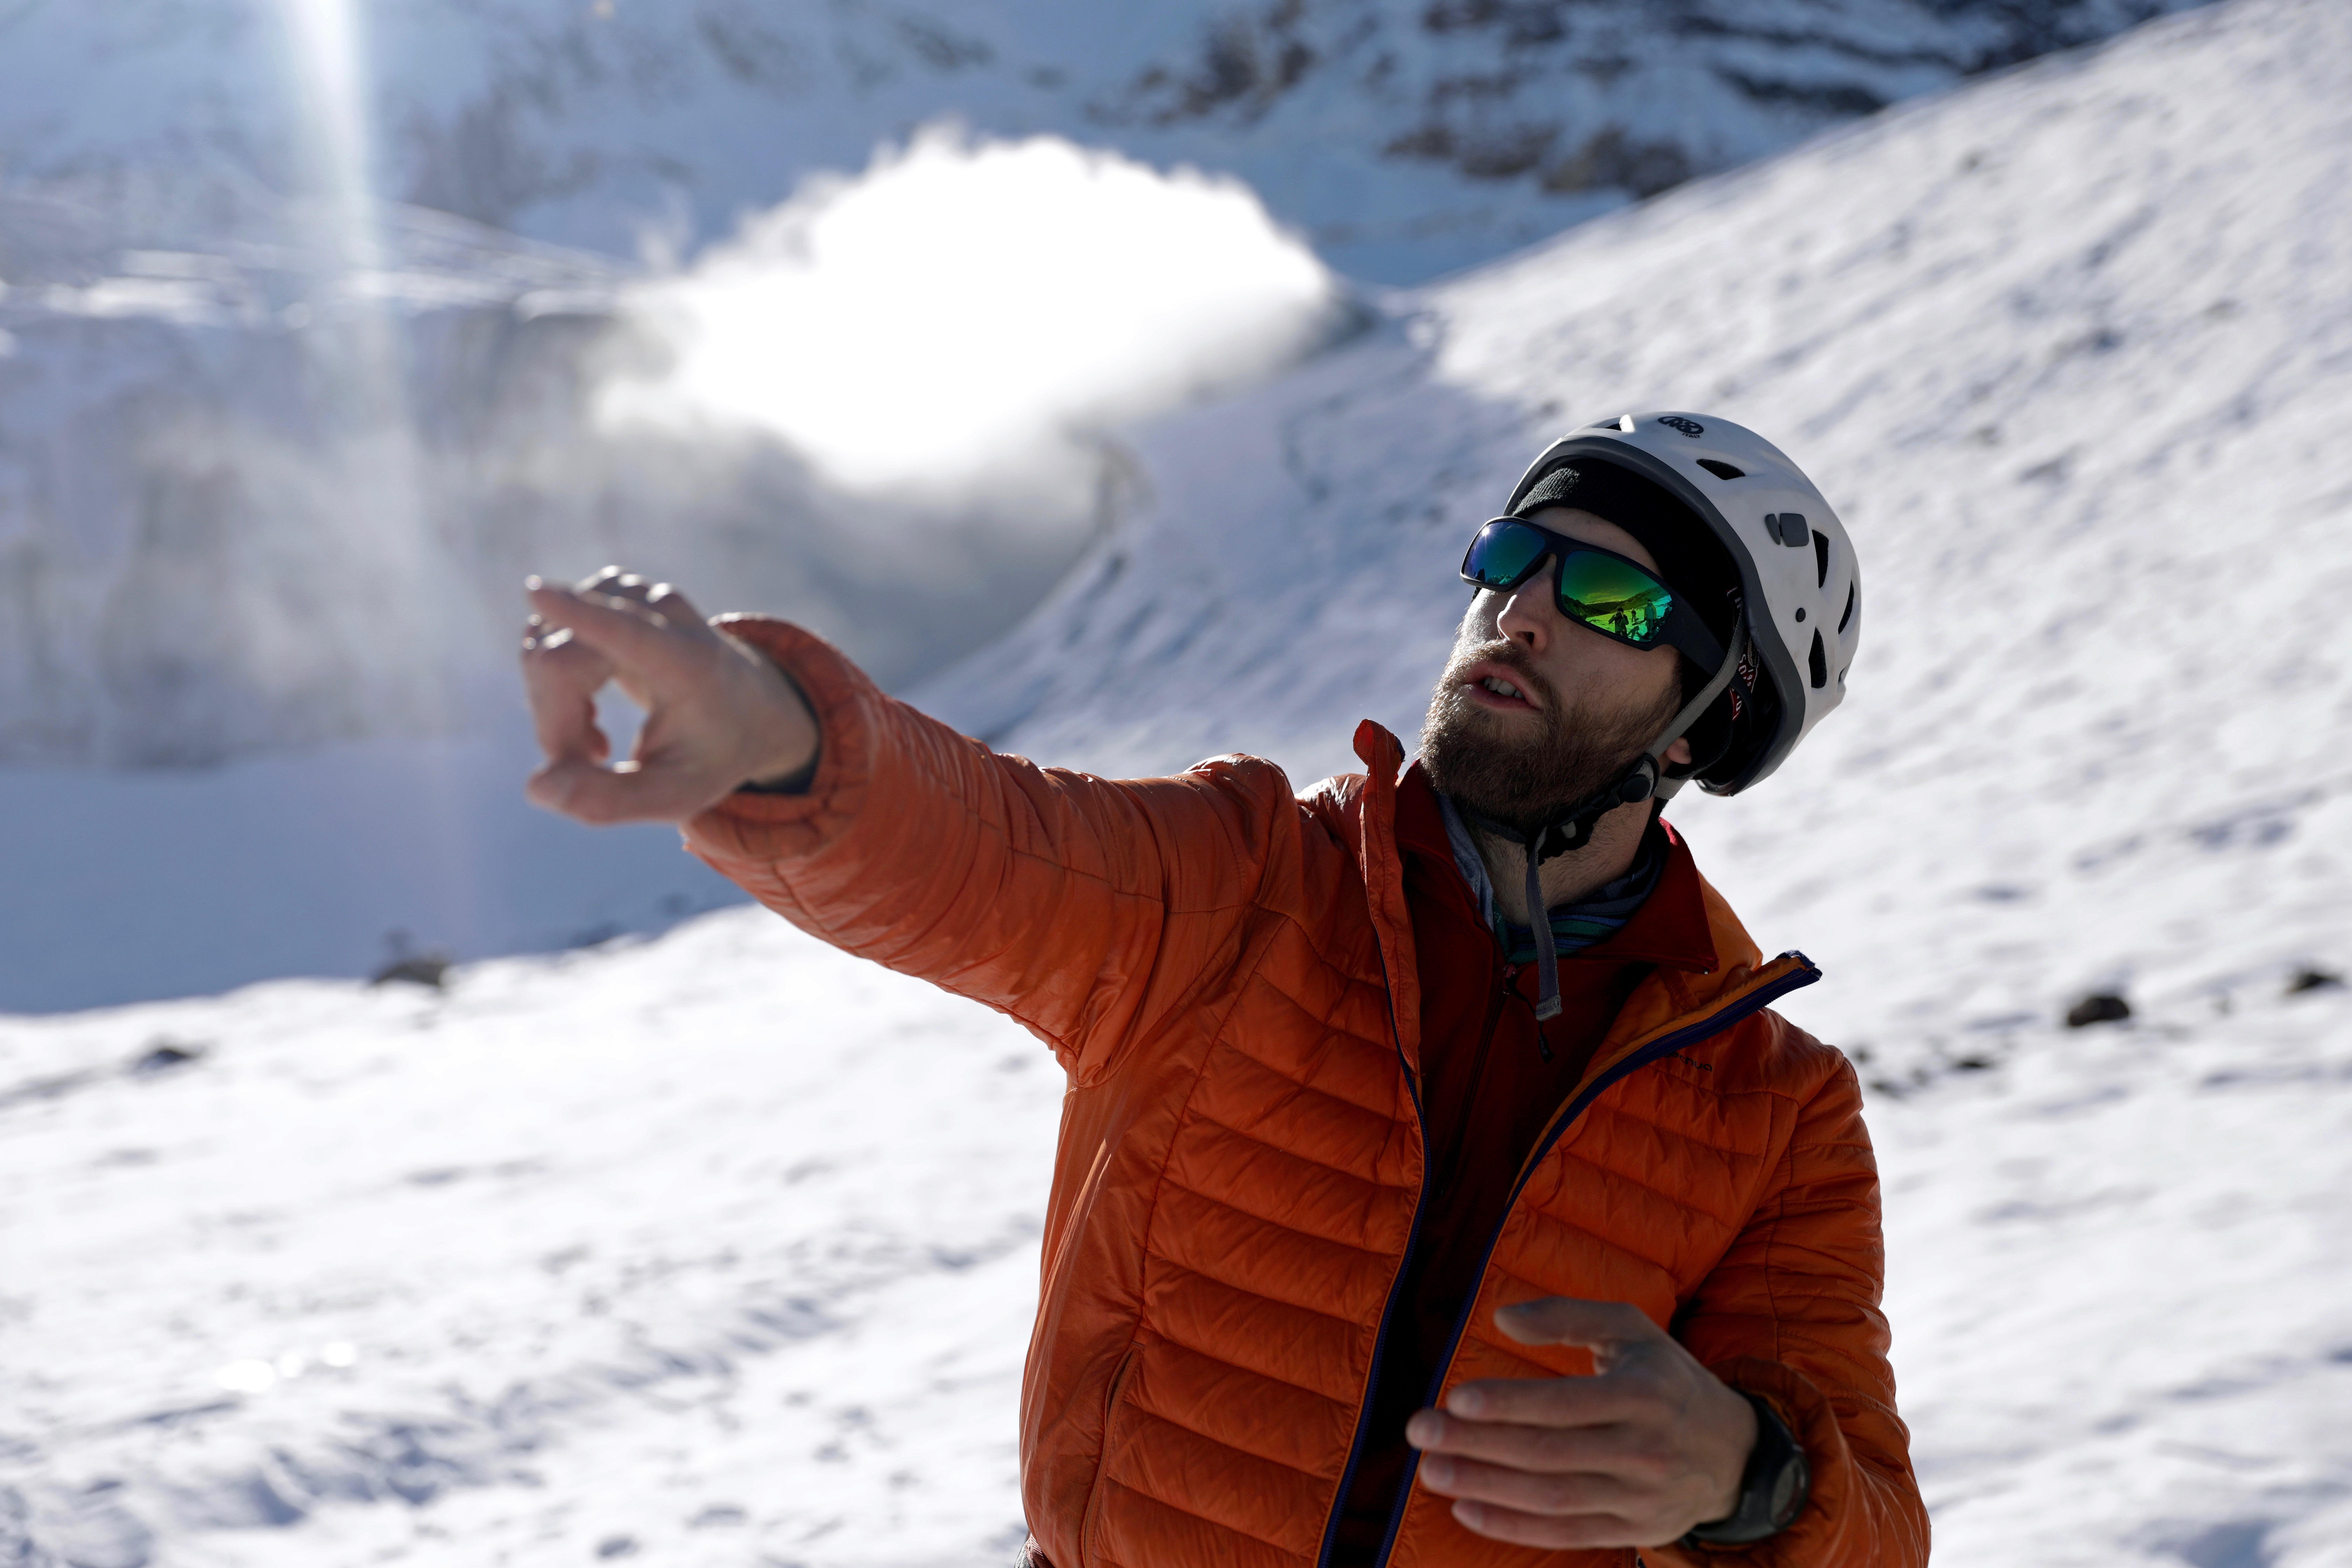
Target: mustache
point(1514, 658)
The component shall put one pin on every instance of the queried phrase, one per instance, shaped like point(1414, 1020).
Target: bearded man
point(1436, 1185)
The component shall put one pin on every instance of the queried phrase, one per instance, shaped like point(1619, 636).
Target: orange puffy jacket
point(1225, 973)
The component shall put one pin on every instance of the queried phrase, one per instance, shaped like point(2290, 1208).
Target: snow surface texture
point(722, 1250)
point(1406, 137)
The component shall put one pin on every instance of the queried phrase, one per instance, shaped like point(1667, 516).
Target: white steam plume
point(968, 310)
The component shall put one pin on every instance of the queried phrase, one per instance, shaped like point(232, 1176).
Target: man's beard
point(1525, 782)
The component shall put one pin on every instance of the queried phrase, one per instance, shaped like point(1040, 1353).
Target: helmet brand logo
point(1690, 428)
point(1745, 673)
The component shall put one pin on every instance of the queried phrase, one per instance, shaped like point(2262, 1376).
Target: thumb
point(1609, 1329)
point(601, 797)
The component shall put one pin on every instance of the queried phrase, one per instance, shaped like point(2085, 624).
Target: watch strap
point(1772, 1488)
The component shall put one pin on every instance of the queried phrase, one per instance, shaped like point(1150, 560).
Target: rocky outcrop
point(1588, 95)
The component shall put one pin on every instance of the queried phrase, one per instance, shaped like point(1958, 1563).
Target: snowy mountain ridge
point(199, 423)
point(1405, 138)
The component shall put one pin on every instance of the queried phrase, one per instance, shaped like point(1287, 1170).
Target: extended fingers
point(560, 676)
point(614, 583)
point(625, 627)
point(1549, 1533)
point(662, 598)
point(1601, 1449)
point(1600, 1400)
point(1526, 1491)
point(673, 607)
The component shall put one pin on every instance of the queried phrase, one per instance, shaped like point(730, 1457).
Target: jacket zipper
point(1656, 1050)
point(1396, 1282)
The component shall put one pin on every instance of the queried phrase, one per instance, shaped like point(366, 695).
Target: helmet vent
point(1821, 559)
point(1819, 659)
point(1786, 528)
point(1852, 593)
point(1722, 470)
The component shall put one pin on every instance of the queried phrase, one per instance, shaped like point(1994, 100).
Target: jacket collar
point(1669, 998)
point(1670, 927)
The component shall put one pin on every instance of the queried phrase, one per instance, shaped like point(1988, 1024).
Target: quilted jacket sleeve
point(1089, 910)
point(1791, 1314)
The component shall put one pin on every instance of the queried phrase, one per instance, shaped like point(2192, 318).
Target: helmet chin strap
point(1572, 829)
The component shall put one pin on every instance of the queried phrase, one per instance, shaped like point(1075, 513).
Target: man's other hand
point(718, 714)
point(1636, 1455)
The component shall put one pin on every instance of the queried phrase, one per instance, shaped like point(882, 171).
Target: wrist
point(796, 781)
point(1773, 1486)
point(1740, 1419)
point(785, 742)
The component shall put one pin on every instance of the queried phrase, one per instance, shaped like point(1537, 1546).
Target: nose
point(1529, 616)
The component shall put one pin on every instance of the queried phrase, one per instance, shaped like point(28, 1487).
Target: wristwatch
point(1772, 1488)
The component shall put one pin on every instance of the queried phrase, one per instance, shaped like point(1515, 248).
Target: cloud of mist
point(967, 311)
point(884, 411)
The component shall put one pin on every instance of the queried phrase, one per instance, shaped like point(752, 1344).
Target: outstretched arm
point(1088, 909)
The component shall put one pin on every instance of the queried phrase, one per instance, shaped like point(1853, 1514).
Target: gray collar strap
point(1572, 829)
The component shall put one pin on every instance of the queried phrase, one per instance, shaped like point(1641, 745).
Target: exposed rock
point(2101, 1008)
point(430, 969)
point(166, 1055)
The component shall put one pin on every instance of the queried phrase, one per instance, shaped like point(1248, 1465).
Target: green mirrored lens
point(1502, 554)
point(1613, 596)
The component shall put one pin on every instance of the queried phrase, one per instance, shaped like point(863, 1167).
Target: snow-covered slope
point(723, 1251)
point(718, 1250)
point(2072, 351)
point(1406, 137)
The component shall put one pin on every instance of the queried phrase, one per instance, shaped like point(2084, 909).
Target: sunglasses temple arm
point(1698, 705)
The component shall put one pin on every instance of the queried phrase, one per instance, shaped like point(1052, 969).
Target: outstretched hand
point(717, 713)
point(1636, 1455)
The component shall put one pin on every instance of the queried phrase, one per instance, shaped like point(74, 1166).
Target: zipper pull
point(1511, 988)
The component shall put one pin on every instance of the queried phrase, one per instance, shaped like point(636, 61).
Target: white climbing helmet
point(1799, 583)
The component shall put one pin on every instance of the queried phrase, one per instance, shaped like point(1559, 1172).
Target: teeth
point(1499, 687)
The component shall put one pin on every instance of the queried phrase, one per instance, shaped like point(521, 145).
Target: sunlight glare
point(325, 36)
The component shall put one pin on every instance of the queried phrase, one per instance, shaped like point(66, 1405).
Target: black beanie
point(1690, 559)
